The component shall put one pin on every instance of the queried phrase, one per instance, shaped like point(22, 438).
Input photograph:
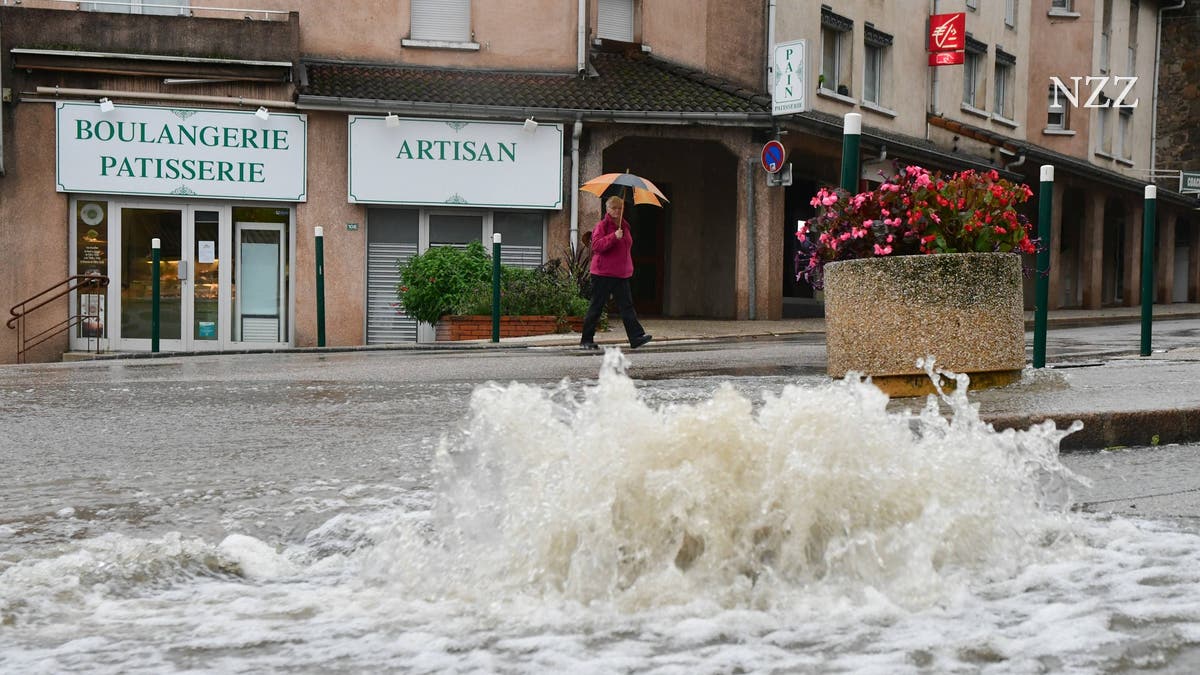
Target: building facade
point(231, 136)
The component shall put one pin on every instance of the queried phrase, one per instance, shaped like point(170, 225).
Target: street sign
point(788, 88)
point(1189, 182)
point(782, 178)
point(772, 156)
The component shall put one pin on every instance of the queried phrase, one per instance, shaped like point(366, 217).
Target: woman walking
point(612, 266)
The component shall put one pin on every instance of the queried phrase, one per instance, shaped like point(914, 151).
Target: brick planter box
point(479, 326)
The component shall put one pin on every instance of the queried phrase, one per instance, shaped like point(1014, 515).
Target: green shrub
point(545, 291)
point(436, 282)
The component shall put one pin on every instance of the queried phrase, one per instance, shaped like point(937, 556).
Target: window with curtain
point(875, 69)
point(441, 20)
point(1003, 104)
point(974, 64)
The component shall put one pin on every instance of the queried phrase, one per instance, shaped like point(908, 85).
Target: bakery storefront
point(443, 182)
point(217, 188)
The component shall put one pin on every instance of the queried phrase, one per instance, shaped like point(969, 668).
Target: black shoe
point(589, 346)
point(640, 340)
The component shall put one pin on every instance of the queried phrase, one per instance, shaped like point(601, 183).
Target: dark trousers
point(602, 288)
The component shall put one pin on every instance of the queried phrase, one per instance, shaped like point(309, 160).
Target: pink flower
point(882, 250)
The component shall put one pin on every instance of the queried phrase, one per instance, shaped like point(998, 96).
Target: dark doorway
point(649, 255)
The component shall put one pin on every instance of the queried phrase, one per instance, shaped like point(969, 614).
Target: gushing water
point(579, 527)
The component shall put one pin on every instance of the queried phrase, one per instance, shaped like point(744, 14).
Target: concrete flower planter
point(479, 326)
point(964, 309)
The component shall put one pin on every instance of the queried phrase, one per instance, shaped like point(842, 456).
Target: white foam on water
point(601, 497)
point(581, 529)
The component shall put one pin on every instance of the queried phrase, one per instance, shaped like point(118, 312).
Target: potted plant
point(451, 288)
point(921, 266)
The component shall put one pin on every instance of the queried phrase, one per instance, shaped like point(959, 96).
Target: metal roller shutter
point(615, 20)
point(441, 20)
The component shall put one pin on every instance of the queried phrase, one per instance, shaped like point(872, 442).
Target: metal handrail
point(22, 309)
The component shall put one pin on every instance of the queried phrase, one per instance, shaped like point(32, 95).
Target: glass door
point(138, 226)
point(259, 306)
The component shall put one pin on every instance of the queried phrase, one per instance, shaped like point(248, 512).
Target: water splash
point(594, 495)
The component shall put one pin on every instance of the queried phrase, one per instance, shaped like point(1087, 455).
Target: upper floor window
point(972, 5)
point(164, 7)
point(1056, 111)
point(974, 61)
point(1106, 10)
point(1010, 13)
point(1103, 141)
point(835, 52)
point(1005, 84)
point(875, 70)
point(1061, 5)
point(1131, 62)
point(614, 20)
point(1124, 139)
point(441, 20)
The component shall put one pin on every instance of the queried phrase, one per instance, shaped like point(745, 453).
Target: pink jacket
point(610, 256)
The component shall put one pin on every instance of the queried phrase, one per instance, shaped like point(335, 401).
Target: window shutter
point(615, 20)
point(441, 20)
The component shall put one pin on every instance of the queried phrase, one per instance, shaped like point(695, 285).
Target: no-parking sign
point(772, 156)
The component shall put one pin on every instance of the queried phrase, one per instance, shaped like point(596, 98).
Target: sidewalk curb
point(1114, 428)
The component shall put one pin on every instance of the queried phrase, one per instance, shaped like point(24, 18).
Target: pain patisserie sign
point(191, 152)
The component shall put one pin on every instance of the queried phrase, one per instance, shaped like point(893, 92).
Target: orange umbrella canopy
point(644, 192)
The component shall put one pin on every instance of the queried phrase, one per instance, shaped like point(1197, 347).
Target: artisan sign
point(455, 163)
point(193, 152)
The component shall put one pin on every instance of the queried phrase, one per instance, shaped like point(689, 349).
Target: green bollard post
point(155, 292)
point(496, 287)
point(1148, 222)
point(319, 233)
point(1042, 301)
point(851, 141)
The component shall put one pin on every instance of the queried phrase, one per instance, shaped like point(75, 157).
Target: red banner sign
point(946, 58)
point(947, 32)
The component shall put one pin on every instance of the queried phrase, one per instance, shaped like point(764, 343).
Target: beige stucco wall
point(33, 228)
point(344, 249)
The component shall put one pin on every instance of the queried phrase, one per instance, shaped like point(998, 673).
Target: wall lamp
point(106, 105)
point(391, 121)
point(262, 113)
point(530, 126)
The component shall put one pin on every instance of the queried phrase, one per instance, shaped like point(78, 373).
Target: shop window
point(614, 20)
point(441, 20)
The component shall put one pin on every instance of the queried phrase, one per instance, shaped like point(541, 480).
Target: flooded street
point(390, 512)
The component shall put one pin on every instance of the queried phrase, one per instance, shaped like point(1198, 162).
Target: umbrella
point(644, 192)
